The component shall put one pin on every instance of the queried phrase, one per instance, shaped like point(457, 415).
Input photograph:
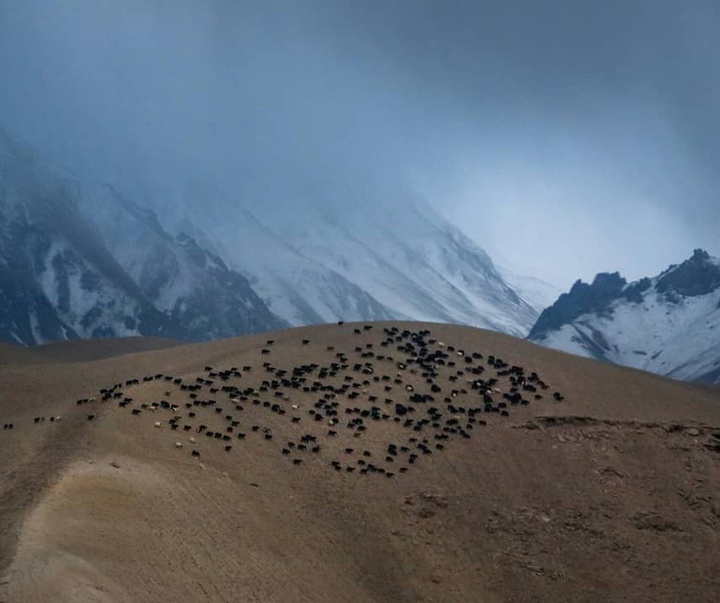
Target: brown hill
point(481, 493)
point(12, 354)
point(80, 350)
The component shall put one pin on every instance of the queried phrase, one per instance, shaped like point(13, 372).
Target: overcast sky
point(566, 137)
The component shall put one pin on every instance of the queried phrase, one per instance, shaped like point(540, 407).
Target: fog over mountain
point(565, 138)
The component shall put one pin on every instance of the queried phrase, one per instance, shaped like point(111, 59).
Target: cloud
point(567, 137)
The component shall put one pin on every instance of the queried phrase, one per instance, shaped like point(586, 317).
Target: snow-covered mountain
point(537, 293)
point(669, 324)
point(294, 286)
point(195, 262)
point(414, 263)
point(320, 261)
point(186, 282)
point(64, 277)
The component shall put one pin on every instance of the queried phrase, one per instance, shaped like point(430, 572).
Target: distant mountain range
point(83, 260)
point(668, 324)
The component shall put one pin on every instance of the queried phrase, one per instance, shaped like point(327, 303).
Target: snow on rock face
point(668, 325)
point(297, 287)
point(318, 262)
point(62, 276)
point(421, 267)
point(205, 266)
point(582, 299)
point(189, 284)
point(537, 293)
point(56, 279)
point(59, 283)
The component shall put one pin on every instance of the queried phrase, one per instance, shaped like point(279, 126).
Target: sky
point(565, 137)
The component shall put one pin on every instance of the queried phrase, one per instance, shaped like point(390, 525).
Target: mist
point(565, 138)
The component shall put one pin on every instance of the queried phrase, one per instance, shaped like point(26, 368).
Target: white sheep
point(178, 445)
point(158, 424)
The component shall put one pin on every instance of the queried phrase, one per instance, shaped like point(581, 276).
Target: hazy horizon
point(565, 140)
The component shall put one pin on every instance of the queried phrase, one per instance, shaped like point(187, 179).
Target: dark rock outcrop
point(581, 299)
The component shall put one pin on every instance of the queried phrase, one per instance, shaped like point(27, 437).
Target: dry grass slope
point(380, 462)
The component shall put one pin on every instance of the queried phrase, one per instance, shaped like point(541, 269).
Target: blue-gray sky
point(566, 137)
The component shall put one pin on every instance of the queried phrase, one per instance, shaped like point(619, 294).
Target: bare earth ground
point(612, 494)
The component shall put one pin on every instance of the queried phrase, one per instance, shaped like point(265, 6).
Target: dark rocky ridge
point(696, 276)
point(581, 299)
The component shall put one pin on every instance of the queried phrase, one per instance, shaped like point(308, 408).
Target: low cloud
point(566, 139)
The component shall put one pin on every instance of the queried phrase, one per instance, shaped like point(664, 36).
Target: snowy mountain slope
point(57, 281)
point(216, 265)
point(314, 260)
point(537, 293)
point(669, 324)
point(64, 276)
point(416, 264)
point(297, 288)
point(186, 282)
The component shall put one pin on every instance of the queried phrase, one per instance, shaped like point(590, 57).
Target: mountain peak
point(667, 324)
point(581, 299)
point(698, 275)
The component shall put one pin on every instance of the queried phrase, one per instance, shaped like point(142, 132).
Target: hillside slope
point(607, 491)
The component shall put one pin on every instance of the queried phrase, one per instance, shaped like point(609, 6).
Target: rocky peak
point(581, 299)
point(696, 276)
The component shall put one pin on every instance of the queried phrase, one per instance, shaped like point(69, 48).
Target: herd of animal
point(432, 392)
